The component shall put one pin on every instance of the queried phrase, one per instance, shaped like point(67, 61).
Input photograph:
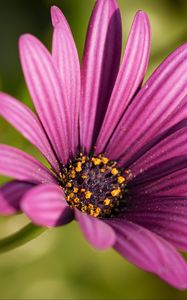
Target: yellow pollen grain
point(71, 195)
point(102, 170)
point(83, 190)
point(75, 190)
point(83, 159)
point(91, 206)
point(78, 167)
point(73, 174)
point(84, 176)
point(116, 192)
point(97, 212)
point(96, 161)
point(121, 179)
point(68, 184)
point(84, 208)
point(106, 201)
point(88, 195)
point(68, 198)
point(105, 160)
point(76, 200)
point(91, 213)
point(114, 171)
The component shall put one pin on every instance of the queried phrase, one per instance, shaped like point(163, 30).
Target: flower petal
point(162, 169)
point(151, 253)
point(178, 114)
point(45, 205)
point(173, 184)
point(171, 143)
point(166, 216)
point(99, 70)
point(10, 196)
point(20, 165)
point(151, 108)
point(130, 76)
point(26, 122)
point(97, 232)
point(66, 59)
point(57, 16)
point(45, 88)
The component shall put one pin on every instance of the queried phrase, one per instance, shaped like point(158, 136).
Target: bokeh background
point(60, 264)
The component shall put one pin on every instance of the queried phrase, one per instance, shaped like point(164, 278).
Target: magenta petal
point(162, 169)
point(178, 114)
point(151, 108)
point(10, 196)
point(171, 143)
point(97, 232)
point(66, 59)
point(58, 17)
point(20, 165)
point(45, 87)
point(45, 205)
point(166, 216)
point(151, 253)
point(99, 69)
point(26, 122)
point(173, 184)
point(130, 77)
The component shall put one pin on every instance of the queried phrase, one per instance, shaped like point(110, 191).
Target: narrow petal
point(10, 196)
point(178, 114)
point(97, 232)
point(171, 143)
point(166, 216)
point(20, 165)
point(99, 69)
point(151, 108)
point(162, 169)
point(66, 59)
point(45, 88)
point(158, 172)
point(151, 253)
point(45, 205)
point(58, 17)
point(130, 76)
point(173, 184)
point(26, 122)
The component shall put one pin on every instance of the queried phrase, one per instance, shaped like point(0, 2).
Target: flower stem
point(21, 237)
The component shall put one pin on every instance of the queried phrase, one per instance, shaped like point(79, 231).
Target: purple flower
point(117, 151)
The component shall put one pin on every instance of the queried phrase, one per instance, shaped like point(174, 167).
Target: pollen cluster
point(94, 185)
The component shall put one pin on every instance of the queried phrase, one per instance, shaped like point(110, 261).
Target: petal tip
point(143, 17)
point(26, 39)
point(56, 15)
point(21, 40)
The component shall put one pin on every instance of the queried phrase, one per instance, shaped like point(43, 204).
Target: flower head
point(117, 150)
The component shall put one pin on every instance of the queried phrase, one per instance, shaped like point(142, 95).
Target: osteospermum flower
point(117, 151)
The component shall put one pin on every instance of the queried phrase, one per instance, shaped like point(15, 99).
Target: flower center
point(94, 185)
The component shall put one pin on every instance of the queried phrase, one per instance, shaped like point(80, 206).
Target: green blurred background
point(60, 264)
